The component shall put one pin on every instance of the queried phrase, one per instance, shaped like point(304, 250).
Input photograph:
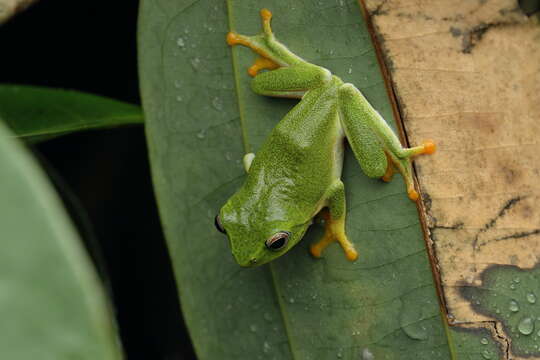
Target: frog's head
point(258, 236)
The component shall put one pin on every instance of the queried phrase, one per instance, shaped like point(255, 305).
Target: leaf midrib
point(247, 149)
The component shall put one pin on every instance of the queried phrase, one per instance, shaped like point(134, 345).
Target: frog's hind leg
point(360, 135)
point(290, 82)
point(289, 75)
point(335, 225)
point(375, 145)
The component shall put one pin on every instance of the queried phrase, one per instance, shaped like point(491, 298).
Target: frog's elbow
point(347, 90)
point(325, 75)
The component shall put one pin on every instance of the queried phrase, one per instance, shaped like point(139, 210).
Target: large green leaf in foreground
point(384, 305)
point(52, 306)
point(38, 113)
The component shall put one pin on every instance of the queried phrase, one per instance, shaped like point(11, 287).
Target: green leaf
point(38, 113)
point(476, 343)
point(201, 116)
point(51, 303)
point(509, 295)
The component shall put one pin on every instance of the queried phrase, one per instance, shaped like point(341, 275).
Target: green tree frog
point(296, 173)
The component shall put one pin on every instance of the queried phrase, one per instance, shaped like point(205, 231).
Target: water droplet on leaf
point(484, 341)
point(217, 104)
point(367, 355)
point(526, 326)
point(195, 62)
point(411, 321)
point(513, 306)
point(531, 298)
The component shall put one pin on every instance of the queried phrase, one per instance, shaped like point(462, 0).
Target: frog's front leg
point(335, 224)
point(376, 147)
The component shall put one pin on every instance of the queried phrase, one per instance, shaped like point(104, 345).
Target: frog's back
point(302, 156)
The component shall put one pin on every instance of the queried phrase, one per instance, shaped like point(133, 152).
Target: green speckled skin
point(297, 171)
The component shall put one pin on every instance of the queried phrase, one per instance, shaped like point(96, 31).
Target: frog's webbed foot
point(272, 53)
point(334, 231)
point(401, 161)
point(257, 44)
point(234, 38)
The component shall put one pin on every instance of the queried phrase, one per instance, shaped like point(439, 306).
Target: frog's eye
point(278, 241)
point(219, 225)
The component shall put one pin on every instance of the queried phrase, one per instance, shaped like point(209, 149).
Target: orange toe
point(429, 147)
point(253, 70)
point(316, 251)
point(266, 14)
point(351, 254)
point(413, 195)
point(232, 38)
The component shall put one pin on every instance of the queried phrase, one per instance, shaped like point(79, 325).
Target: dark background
point(103, 176)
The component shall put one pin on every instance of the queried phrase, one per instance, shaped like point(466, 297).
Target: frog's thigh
point(291, 81)
point(335, 224)
point(355, 118)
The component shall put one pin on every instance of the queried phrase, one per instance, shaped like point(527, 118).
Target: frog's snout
point(248, 262)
